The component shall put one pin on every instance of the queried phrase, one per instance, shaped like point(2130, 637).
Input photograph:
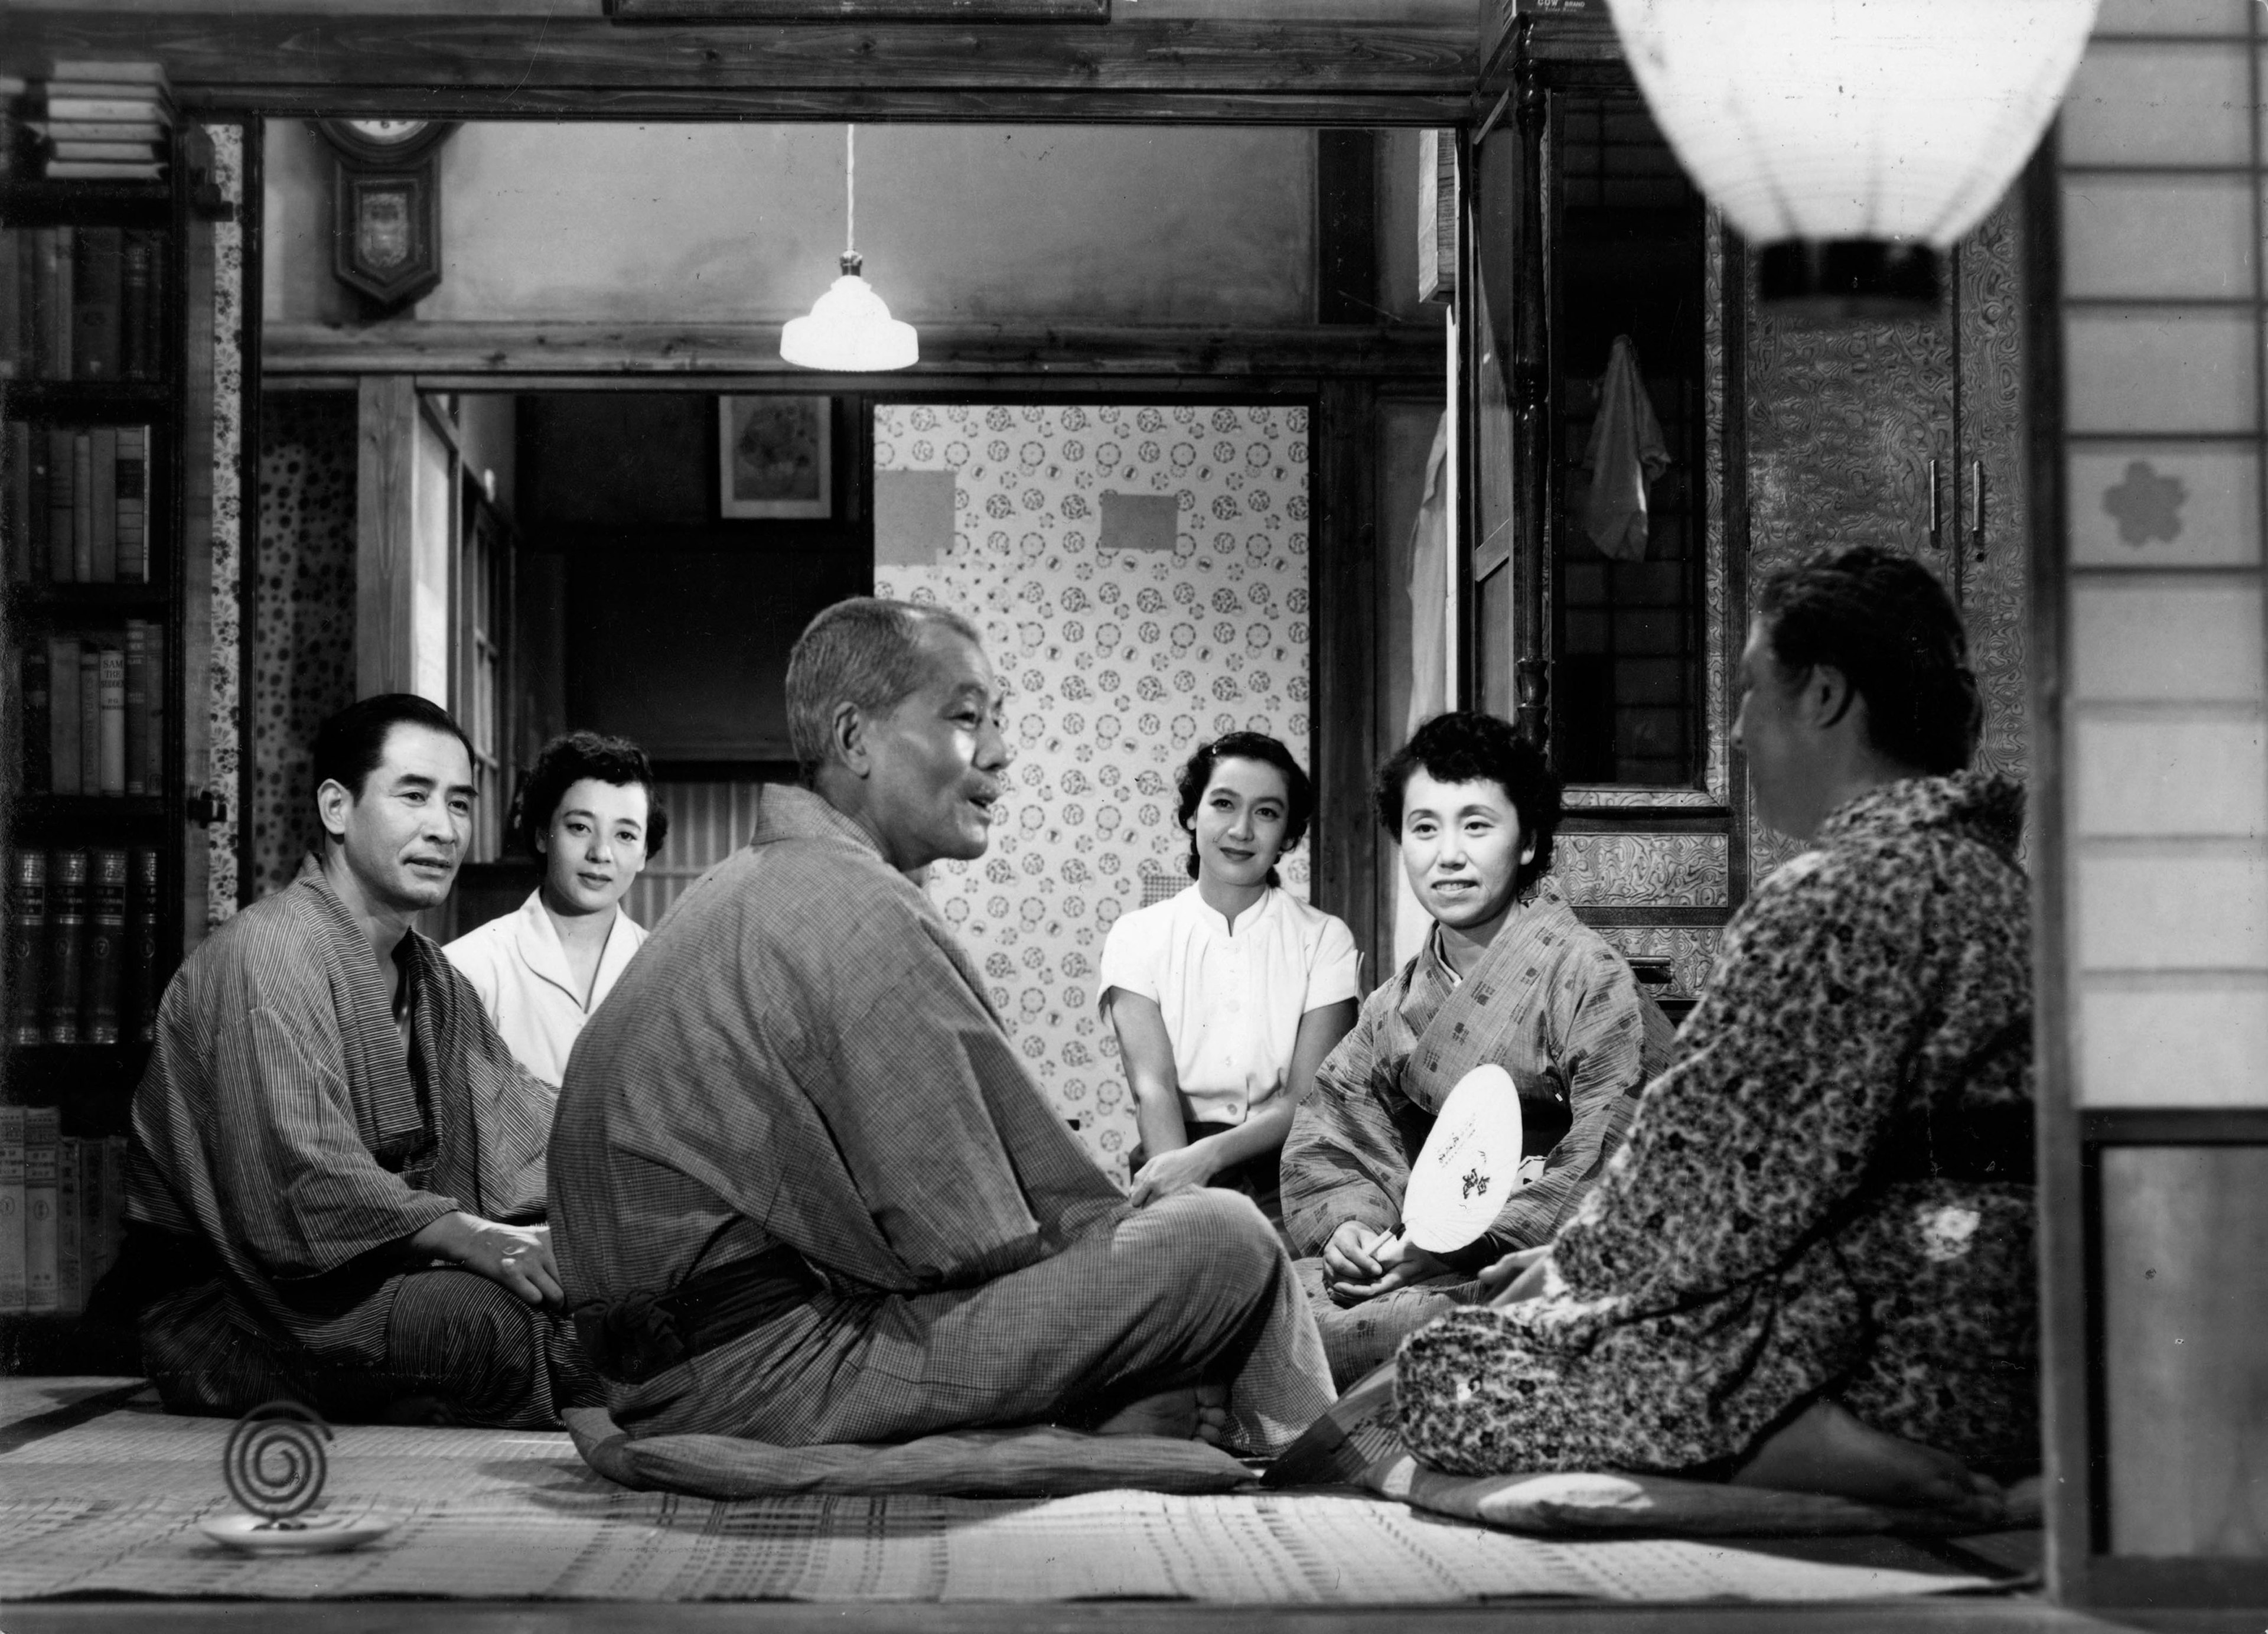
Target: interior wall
point(1120, 653)
point(743, 223)
point(303, 623)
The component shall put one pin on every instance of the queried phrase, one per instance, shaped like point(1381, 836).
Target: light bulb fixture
point(1852, 140)
point(849, 329)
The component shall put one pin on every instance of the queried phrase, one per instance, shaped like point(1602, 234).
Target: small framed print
point(776, 457)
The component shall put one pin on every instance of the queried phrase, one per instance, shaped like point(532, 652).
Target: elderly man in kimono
point(807, 1192)
point(336, 1161)
point(1508, 976)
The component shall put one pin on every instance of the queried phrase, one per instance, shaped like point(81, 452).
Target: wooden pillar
point(385, 526)
point(1531, 411)
point(1344, 617)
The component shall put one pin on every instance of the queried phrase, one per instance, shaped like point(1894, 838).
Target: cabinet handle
point(1977, 505)
point(1936, 522)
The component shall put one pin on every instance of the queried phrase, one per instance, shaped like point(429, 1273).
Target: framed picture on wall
point(776, 457)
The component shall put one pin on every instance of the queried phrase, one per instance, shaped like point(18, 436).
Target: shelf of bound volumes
point(92, 255)
point(62, 1207)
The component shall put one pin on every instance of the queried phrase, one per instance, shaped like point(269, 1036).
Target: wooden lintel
point(664, 351)
point(449, 65)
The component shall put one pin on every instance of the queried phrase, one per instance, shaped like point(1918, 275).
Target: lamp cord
point(850, 189)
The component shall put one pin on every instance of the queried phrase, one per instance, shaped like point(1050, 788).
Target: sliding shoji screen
point(2156, 957)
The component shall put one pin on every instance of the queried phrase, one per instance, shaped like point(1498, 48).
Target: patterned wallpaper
point(1118, 662)
point(303, 659)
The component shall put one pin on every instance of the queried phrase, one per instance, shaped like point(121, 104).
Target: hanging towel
point(1429, 590)
point(1626, 455)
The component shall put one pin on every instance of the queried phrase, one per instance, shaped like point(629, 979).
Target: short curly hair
point(1299, 793)
point(566, 761)
point(1466, 745)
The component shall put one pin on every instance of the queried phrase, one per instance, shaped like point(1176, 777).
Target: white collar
point(537, 939)
point(1217, 922)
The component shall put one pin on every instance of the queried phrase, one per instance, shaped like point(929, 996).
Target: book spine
point(137, 983)
point(39, 729)
point(153, 720)
point(95, 275)
point(27, 947)
point(16, 470)
point(131, 482)
point(63, 715)
point(153, 310)
point(110, 684)
point(67, 881)
point(83, 507)
point(105, 948)
point(13, 293)
point(35, 271)
point(27, 502)
point(13, 1296)
point(59, 504)
point(137, 706)
point(102, 468)
point(59, 306)
point(41, 1132)
point(90, 718)
point(71, 1267)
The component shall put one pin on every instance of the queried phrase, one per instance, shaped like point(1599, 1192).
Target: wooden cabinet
point(1912, 436)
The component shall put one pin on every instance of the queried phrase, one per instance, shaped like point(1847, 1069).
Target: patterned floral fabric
point(1826, 1195)
point(1118, 663)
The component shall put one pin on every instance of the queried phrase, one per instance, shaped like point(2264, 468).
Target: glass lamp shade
point(850, 330)
point(1853, 138)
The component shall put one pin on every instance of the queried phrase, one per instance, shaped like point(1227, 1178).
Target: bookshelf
point(93, 408)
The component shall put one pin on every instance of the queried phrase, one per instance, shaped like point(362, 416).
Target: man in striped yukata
point(1508, 975)
point(804, 1188)
point(337, 1169)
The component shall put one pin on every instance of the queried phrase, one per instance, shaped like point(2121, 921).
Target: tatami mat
point(111, 1506)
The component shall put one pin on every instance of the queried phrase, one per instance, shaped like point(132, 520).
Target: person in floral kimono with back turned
point(1811, 1267)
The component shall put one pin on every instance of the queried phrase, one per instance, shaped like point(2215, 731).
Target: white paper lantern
point(1900, 123)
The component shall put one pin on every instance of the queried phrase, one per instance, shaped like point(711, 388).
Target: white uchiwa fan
point(1470, 1163)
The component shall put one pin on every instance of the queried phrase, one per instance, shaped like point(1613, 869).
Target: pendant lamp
point(849, 329)
point(1851, 140)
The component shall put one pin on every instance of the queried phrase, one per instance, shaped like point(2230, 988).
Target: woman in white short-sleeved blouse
point(586, 809)
point(1226, 998)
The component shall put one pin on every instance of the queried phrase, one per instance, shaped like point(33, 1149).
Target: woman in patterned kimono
point(1507, 976)
point(1811, 1265)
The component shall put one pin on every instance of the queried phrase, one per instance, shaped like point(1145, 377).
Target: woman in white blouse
point(1226, 998)
point(586, 808)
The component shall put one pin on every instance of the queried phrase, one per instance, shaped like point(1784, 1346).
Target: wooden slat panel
point(2185, 1351)
point(1069, 351)
point(243, 55)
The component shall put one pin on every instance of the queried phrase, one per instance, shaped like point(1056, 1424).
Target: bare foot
point(1198, 1413)
point(1827, 1450)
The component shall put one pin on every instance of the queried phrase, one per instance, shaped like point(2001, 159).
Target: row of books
point(63, 1212)
point(94, 712)
point(83, 303)
point(82, 945)
point(102, 122)
point(79, 504)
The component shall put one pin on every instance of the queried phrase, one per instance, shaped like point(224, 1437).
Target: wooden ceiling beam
point(488, 66)
point(664, 353)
